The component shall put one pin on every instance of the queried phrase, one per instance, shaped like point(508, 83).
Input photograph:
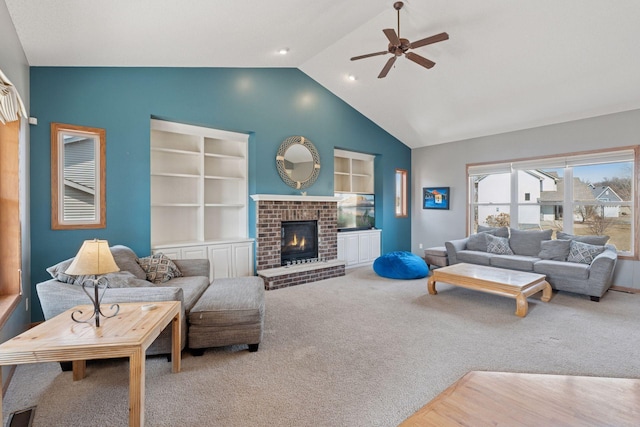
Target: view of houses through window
point(534, 194)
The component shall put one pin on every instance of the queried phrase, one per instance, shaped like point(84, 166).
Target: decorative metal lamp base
point(95, 299)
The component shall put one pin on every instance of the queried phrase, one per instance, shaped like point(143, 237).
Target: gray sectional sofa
point(579, 264)
point(63, 292)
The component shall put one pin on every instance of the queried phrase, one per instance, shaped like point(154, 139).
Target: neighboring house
point(531, 184)
point(551, 201)
point(604, 193)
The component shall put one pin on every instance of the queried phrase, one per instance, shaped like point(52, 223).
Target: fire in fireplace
point(299, 241)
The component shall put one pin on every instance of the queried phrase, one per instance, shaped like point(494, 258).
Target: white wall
point(445, 165)
point(13, 63)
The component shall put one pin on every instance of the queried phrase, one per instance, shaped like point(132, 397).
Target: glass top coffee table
point(499, 281)
point(128, 334)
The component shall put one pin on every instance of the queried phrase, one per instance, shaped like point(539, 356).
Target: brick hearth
point(270, 212)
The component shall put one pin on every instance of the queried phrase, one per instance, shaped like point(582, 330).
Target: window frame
point(401, 206)
point(569, 160)
point(98, 135)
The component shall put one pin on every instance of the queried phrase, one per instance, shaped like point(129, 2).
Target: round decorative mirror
point(298, 162)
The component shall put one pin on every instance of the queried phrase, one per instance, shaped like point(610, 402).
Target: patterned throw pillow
point(583, 253)
point(159, 268)
point(498, 245)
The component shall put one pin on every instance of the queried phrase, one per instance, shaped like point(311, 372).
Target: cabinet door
point(171, 253)
point(220, 259)
point(196, 252)
point(364, 245)
point(342, 249)
point(374, 248)
point(242, 259)
point(352, 247)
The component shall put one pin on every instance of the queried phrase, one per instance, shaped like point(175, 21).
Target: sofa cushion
point(498, 245)
point(192, 288)
point(556, 250)
point(474, 257)
point(477, 242)
point(496, 231)
point(125, 279)
point(159, 268)
point(583, 253)
point(514, 262)
point(561, 268)
point(125, 258)
point(528, 242)
point(590, 239)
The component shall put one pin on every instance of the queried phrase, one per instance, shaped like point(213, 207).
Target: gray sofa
point(63, 292)
point(579, 264)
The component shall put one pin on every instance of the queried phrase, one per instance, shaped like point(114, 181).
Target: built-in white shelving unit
point(199, 196)
point(352, 172)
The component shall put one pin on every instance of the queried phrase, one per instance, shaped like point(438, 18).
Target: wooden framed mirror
point(298, 162)
point(78, 177)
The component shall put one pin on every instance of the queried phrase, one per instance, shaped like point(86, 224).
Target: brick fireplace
point(271, 211)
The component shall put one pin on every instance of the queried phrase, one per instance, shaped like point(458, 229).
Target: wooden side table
point(129, 334)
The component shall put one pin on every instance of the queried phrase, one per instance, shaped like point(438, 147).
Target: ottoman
point(436, 256)
point(230, 311)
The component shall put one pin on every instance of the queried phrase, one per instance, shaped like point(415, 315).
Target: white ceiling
point(508, 64)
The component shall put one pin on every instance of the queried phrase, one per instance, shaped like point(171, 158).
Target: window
point(401, 193)
point(596, 189)
point(77, 177)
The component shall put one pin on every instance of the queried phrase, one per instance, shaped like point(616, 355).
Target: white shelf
point(353, 172)
point(199, 185)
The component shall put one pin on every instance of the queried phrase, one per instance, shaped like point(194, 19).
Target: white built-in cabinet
point(358, 248)
point(352, 172)
point(199, 196)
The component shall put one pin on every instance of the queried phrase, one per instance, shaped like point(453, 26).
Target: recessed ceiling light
point(352, 77)
point(283, 51)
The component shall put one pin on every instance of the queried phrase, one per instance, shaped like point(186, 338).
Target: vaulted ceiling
point(508, 65)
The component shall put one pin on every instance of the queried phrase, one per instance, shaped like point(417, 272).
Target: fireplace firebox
point(299, 241)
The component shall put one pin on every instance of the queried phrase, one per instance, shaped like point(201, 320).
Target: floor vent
point(23, 418)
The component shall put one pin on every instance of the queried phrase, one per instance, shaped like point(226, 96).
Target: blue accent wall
point(269, 104)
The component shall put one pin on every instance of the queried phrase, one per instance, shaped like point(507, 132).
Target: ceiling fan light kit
point(400, 46)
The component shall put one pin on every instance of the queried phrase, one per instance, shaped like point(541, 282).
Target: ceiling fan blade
point(429, 40)
point(387, 67)
point(392, 36)
point(355, 58)
point(420, 60)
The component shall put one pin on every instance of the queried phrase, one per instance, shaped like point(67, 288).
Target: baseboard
point(627, 290)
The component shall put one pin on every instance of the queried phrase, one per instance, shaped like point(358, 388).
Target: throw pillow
point(159, 268)
point(125, 258)
point(58, 272)
point(583, 253)
point(477, 242)
point(591, 239)
point(528, 242)
point(556, 250)
point(498, 245)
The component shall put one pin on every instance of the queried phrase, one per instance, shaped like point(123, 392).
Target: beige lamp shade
point(94, 257)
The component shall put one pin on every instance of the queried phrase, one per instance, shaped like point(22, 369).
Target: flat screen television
point(356, 211)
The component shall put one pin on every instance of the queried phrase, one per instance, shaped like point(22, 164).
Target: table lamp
point(94, 258)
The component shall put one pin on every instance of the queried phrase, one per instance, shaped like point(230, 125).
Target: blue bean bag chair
point(400, 265)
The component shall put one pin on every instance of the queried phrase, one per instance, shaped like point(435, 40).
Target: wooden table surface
point(532, 400)
point(128, 334)
point(499, 281)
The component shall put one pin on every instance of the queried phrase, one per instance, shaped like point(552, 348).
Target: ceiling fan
point(399, 46)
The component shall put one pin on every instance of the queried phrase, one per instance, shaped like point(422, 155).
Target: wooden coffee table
point(500, 281)
point(129, 334)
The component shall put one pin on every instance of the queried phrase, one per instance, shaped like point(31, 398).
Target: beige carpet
point(354, 351)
